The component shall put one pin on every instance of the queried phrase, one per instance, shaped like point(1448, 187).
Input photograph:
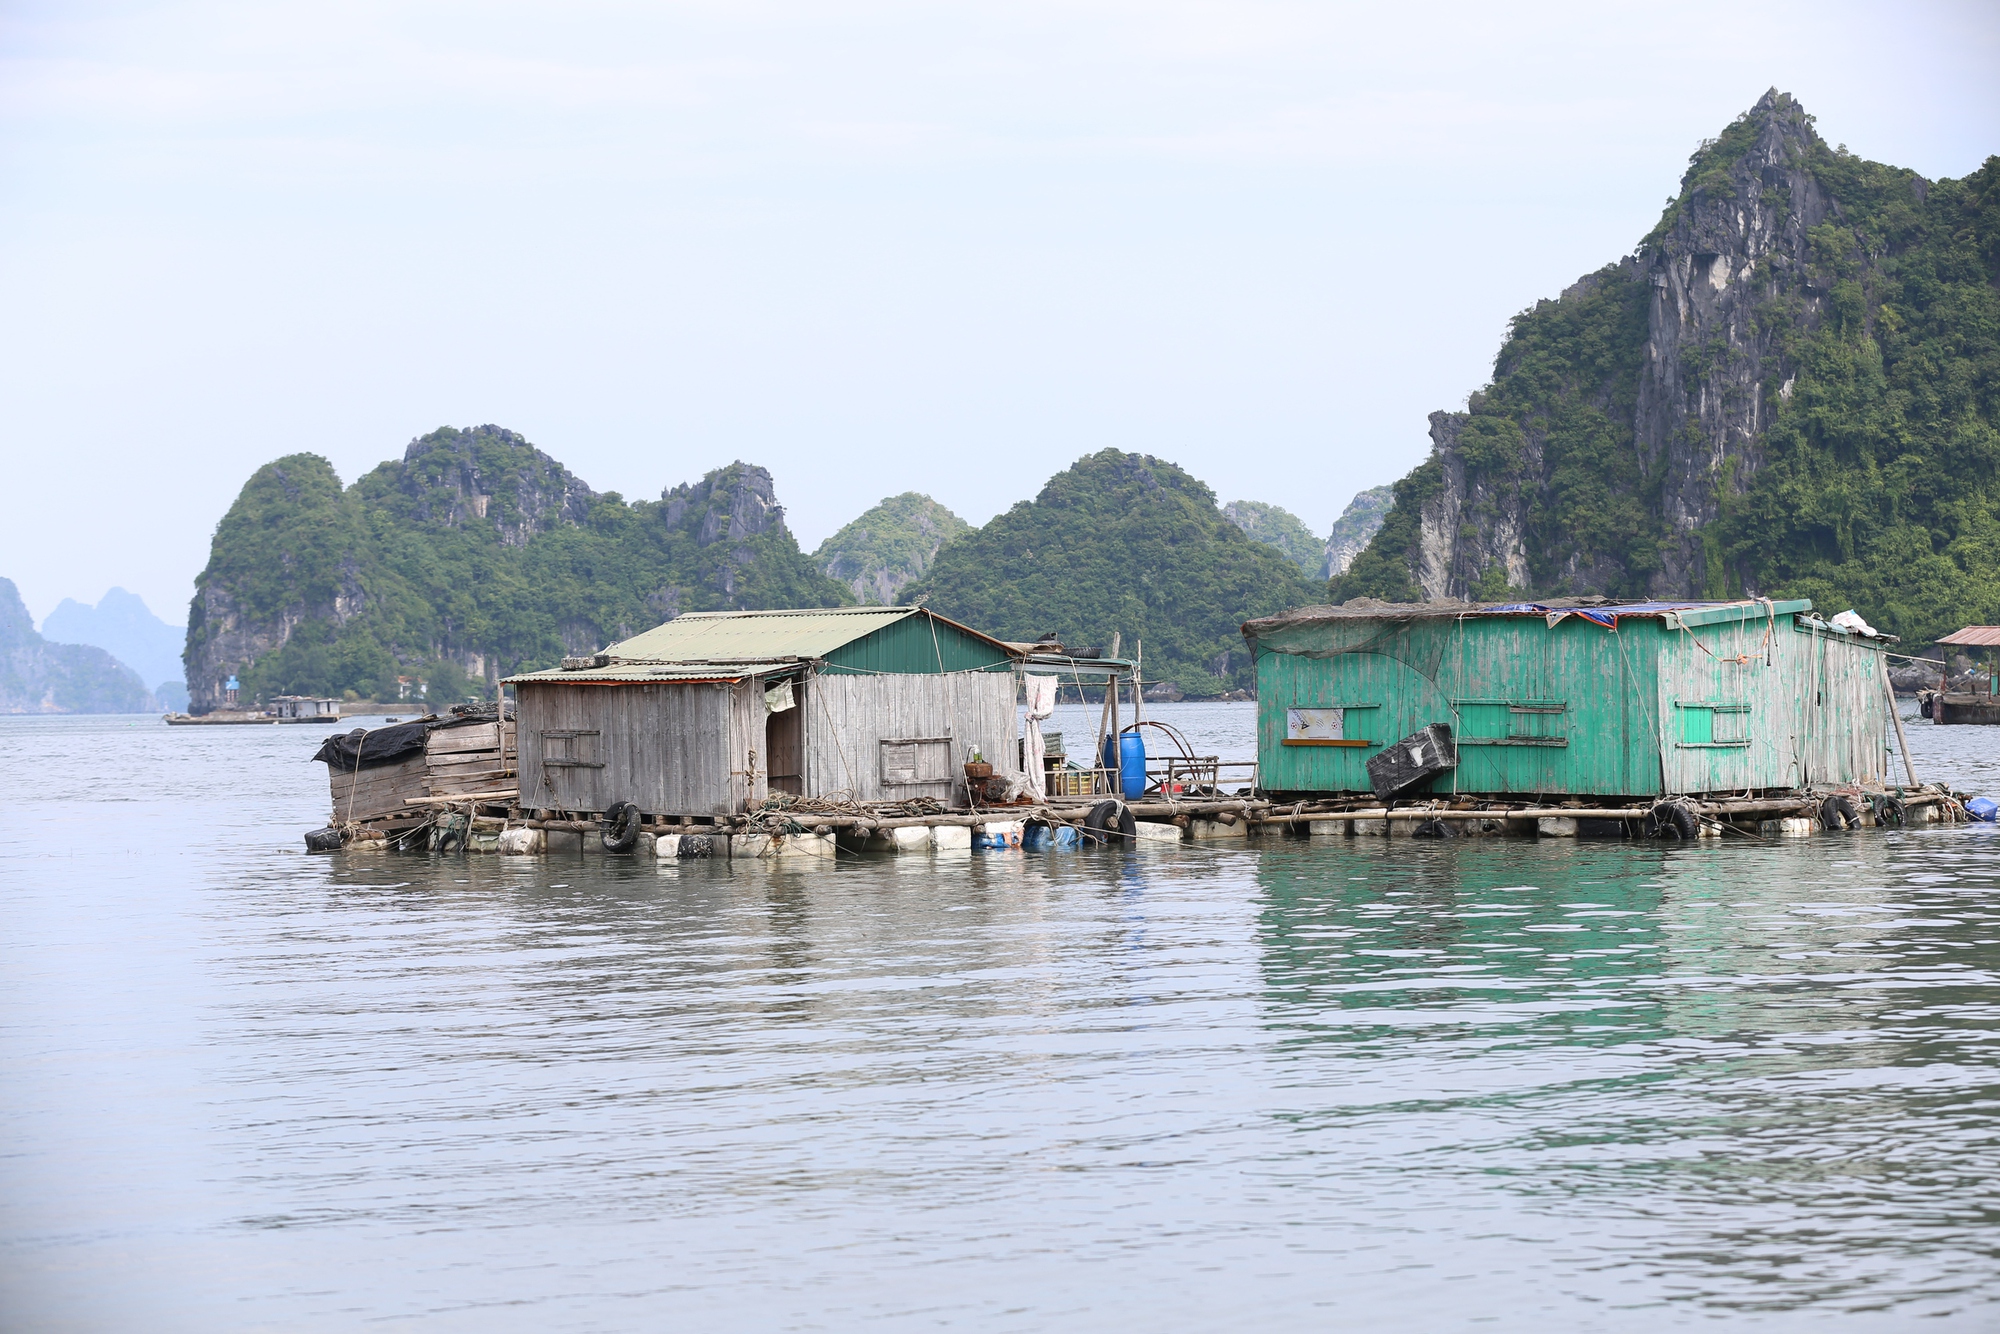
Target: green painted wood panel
point(907, 648)
point(1576, 709)
point(1538, 709)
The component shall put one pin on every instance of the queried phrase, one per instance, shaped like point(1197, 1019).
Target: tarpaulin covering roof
point(1974, 636)
point(365, 749)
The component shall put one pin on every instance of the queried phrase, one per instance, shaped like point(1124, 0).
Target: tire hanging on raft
point(1839, 812)
point(622, 835)
point(451, 832)
point(1435, 827)
point(1672, 819)
point(1108, 820)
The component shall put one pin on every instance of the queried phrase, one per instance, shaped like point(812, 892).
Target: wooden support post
point(1896, 717)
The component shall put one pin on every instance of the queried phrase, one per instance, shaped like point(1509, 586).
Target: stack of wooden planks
point(472, 758)
point(380, 790)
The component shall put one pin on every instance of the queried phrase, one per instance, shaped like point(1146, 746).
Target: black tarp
point(364, 749)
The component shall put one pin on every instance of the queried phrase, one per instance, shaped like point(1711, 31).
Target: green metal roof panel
point(728, 636)
point(1740, 611)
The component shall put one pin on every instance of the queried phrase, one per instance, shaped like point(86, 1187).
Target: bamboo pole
point(1896, 717)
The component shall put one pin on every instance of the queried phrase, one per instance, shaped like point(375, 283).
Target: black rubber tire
point(328, 839)
point(1110, 821)
point(1839, 812)
point(1434, 828)
point(451, 833)
point(1891, 813)
point(622, 835)
point(1672, 819)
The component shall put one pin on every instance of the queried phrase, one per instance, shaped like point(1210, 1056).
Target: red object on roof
point(1974, 636)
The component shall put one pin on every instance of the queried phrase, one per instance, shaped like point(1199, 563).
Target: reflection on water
point(1361, 1083)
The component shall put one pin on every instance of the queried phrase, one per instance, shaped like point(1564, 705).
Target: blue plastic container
point(1983, 808)
point(1129, 759)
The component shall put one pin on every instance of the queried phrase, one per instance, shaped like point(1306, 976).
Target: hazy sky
point(873, 246)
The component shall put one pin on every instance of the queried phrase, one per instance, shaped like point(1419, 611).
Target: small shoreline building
point(1574, 697)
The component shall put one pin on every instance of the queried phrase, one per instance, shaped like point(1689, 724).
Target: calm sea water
point(1355, 1084)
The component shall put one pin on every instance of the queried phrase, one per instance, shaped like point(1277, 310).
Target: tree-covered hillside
point(888, 546)
point(1792, 388)
point(1279, 528)
point(472, 556)
point(1126, 543)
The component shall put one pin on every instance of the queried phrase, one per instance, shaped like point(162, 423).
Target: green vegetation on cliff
point(888, 546)
point(1881, 481)
point(472, 552)
point(1278, 527)
point(1126, 543)
point(1791, 389)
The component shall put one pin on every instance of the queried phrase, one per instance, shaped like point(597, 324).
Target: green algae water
point(1332, 1084)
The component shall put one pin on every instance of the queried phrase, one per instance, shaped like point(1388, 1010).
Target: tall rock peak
point(1647, 433)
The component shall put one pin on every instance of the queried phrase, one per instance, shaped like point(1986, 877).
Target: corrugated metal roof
point(1602, 610)
point(730, 636)
point(639, 673)
point(1974, 636)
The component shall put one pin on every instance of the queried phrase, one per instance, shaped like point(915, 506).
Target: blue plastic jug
point(1983, 808)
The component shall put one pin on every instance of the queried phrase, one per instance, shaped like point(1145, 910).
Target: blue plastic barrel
point(1132, 766)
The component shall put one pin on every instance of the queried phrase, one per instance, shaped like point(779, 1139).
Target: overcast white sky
point(873, 246)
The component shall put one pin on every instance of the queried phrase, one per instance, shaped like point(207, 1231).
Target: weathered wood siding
point(1757, 704)
point(673, 749)
point(381, 790)
point(847, 718)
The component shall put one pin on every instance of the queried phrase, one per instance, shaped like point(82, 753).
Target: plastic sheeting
point(365, 749)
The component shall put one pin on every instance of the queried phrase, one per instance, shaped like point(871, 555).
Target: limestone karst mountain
point(1791, 386)
point(473, 555)
point(889, 545)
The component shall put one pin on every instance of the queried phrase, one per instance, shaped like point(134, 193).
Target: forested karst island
point(1791, 387)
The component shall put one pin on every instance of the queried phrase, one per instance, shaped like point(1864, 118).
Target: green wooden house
point(1575, 697)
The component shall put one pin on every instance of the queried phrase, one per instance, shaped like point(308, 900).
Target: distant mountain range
point(123, 625)
point(37, 676)
point(476, 555)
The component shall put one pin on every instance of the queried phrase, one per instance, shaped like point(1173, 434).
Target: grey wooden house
point(713, 711)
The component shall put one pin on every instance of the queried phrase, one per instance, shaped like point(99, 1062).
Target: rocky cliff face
point(453, 478)
point(1630, 424)
point(1354, 530)
point(1278, 528)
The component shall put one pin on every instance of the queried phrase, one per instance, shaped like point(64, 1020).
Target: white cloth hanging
point(1041, 695)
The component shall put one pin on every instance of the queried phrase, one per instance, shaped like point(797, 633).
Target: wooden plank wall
point(669, 748)
point(378, 791)
point(848, 717)
point(478, 757)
